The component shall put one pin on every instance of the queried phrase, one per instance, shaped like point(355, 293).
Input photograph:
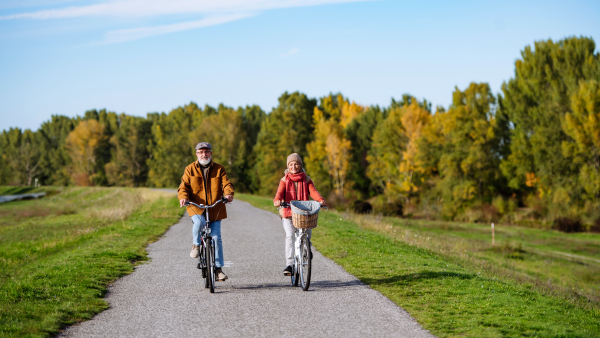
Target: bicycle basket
point(305, 214)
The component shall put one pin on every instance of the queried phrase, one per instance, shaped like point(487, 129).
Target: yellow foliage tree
point(338, 153)
point(393, 159)
point(349, 112)
point(81, 145)
point(329, 152)
point(414, 118)
point(583, 126)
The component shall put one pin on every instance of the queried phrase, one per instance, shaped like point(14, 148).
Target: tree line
point(527, 154)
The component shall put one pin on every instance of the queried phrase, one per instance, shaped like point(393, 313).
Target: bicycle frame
point(206, 258)
point(299, 268)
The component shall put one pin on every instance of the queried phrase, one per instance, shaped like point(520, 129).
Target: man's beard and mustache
point(205, 161)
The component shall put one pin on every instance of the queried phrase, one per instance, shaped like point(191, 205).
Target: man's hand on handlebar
point(182, 202)
point(229, 198)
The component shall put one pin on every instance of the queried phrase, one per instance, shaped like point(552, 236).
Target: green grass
point(443, 289)
point(59, 253)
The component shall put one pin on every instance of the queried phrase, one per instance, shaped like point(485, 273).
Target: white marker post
point(493, 240)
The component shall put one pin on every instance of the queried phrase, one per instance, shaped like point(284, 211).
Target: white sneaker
point(195, 251)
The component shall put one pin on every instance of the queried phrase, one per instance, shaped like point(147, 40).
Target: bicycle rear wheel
point(305, 263)
point(210, 262)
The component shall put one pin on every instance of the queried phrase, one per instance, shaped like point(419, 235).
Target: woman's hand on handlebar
point(228, 198)
point(324, 203)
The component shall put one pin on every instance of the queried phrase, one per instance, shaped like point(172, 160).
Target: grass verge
point(447, 294)
point(58, 254)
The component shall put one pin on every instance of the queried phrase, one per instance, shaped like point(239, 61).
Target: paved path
point(166, 297)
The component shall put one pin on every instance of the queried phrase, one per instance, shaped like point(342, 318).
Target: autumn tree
point(461, 145)
point(329, 153)
point(82, 145)
point(582, 125)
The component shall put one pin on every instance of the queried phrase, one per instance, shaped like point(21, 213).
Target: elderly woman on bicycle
point(294, 186)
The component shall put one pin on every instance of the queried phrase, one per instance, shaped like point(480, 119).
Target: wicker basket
point(305, 214)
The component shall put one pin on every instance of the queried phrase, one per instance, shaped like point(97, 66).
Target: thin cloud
point(125, 35)
point(144, 8)
point(290, 52)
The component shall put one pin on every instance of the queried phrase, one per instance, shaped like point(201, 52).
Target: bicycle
point(302, 266)
point(206, 258)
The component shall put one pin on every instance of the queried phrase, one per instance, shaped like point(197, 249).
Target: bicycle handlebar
point(287, 205)
point(202, 206)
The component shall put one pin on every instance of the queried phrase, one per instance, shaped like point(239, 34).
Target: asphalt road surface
point(165, 297)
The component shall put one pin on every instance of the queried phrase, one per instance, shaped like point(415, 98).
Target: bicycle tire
point(203, 262)
point(295, 272)
point(211, 265)
point(305, 263)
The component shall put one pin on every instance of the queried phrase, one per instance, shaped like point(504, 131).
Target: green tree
point(21, 156)
point(360, 134)
point(55, 158)
point(226, 134)
point(171, 148)
point(287, 129)
point(128, 165)
point(536, 102)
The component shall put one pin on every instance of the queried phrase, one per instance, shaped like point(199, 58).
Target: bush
point(596, 226)
point(362, 207)
point(568, 224)
point(380, 204)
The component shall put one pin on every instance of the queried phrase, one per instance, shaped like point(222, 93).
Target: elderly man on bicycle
point(205, 182)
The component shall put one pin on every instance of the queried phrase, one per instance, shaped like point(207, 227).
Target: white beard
point(205, 162)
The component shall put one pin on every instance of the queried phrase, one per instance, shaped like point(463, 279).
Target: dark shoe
point(287, 271)
point(220, 276)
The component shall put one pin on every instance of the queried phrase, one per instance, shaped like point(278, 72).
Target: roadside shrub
point(568, 224)
point(596, 226)
point(382, 205)
point(479, 213)
point(362, 207)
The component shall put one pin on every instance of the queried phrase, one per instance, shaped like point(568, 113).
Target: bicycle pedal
point(199, 266)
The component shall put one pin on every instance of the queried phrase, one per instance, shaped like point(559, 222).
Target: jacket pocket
point(197, 184)
point(216, 189)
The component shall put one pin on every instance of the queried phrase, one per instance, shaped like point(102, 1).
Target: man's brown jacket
point(192, 188)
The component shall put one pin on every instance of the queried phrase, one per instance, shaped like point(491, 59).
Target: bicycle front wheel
point(295, 272)
point(211, 265)
point(202, 264)
point(305, 263)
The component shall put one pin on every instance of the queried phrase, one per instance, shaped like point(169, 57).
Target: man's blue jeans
point(215, 233)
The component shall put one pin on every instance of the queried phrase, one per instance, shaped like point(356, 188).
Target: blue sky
point(139, 56)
